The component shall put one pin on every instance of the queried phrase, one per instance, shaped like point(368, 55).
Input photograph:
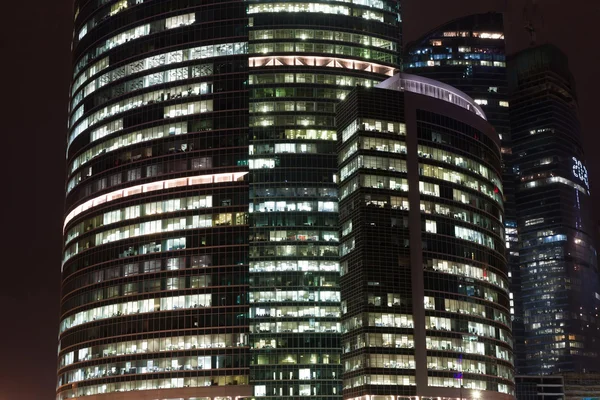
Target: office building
point(425, 301)
point(469, 54)
point(559, 273)
point(154, 273)
point(304, 57)
point(199, 134)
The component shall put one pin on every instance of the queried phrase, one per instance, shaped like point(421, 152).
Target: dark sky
point(34, 66)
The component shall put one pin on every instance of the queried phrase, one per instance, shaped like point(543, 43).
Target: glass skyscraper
point(304, 57)
point(425, 301)
point(469, 54)
point(559, 273)
point(201, 244)
point(154, 274)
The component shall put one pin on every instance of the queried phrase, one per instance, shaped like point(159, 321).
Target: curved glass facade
point(558, 262)
point(199, 134)
point(425, 302)
point(304, 57)
point(469, 54)
point(154, 275)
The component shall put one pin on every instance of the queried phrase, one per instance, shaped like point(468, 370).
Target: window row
point(295, 358)
point(288, 191)
point(460, 161)
point(387, 380)
point(399, 361)
point(138, 211)
point(132, 34)
point(288, 206)
point(310, 326)
point(307, 250)
point(294, 312)
point(468, 345)
point(307, 92)
point(151, 187)
point(322, 48)
point(151, 366)
point(316, 8)
point(469, 366)
point(466, 326)
point(319, 79)
point(391, 340)
point(153, 384)
point(380, 182)
point(449, 175)
point(136, 268)
point(373, 125)
point(293, 266)
point(153, 345)
point(155, 61)
point(303, 34)
point(289, 106)
point(128, 139)
point(140, 82)
point(371, 162)
point(151, 286)
point(282, 296)
point(136, 307)
point(462, 214)
point(286, 120)
point(133, 102)
point(158, 226)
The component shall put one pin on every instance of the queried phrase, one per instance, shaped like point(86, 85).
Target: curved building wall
point(304, 57)
point(425, 302)
point(469, 54)
point(154, 275)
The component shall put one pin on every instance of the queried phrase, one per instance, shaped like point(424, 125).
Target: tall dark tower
point(200, 192)
point(559, 275)
point(469, 54)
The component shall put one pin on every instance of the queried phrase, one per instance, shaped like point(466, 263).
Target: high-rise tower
point(201, 163)
point(559, 273)
point(425, 304)
point(469, 54)
point(155, 286)
point(304, 57)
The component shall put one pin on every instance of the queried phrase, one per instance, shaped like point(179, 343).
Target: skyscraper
point(559, 273)
point(199, 134)
point(304, 57)
point(425, 305)
point(155, 286)
point(469, 54)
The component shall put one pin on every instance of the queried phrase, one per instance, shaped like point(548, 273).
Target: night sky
point(35, 66)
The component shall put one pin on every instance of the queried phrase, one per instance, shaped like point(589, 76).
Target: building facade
point(559, 273)
point(425, 301)
point(469, 54)
point(201, 133)
point(304, 57)
point(154, 274)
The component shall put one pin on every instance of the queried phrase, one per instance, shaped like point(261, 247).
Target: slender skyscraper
point(425, 304)
point(201, 192)
point(559, 273)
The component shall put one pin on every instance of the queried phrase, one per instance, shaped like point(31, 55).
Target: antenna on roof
point(529, 14)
